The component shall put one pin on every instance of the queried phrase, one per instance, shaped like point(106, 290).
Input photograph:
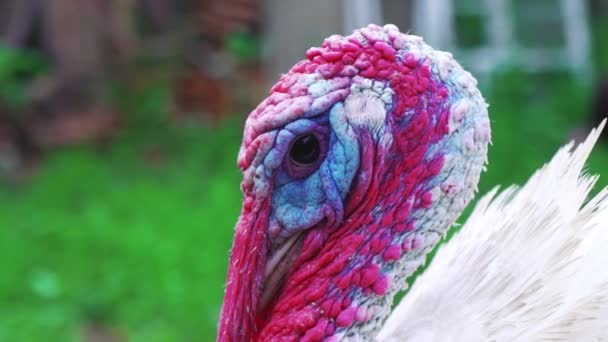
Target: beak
point(246, 272)
point(278, 265)
point(255, 273)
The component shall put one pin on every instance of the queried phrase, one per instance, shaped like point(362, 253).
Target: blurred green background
point(120, 122)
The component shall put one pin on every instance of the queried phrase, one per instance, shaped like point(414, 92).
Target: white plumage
point(530, 264)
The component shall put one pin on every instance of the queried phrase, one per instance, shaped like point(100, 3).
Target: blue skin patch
point(298, 204)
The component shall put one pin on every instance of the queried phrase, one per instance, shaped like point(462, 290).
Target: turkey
point(356, 165)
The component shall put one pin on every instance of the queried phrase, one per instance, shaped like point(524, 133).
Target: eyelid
point(305, 125)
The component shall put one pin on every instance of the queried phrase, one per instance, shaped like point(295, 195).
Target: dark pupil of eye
point(305, 150)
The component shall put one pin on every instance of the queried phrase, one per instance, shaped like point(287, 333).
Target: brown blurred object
point(211, 85)
point(220, 18)
point(160, 14)
point(88, 38)
point(154, 156)
point(10, 156)
point(199, 96)
point(83, 38)
point(98, 124)
point(98, 333)
point(89, 43)
point(92, 44)
point(18, 154)
point(15, 155)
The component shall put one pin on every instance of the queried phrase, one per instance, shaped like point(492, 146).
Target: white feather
point(530, 264)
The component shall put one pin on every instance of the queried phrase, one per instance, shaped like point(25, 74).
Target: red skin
point(335, 264)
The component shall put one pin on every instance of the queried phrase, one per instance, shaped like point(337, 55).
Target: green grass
point(141, 246)
point(109, 237)
point(531, 121)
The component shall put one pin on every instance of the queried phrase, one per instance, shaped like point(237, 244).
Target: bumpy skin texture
point(405, 134)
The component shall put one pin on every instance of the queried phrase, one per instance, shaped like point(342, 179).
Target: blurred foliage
point(17, 68)
point(470, 32)
point(600, 49)
point(244, 46)
point(136, 236)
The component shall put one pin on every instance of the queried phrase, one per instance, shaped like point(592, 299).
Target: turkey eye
point(306, 153)
point(305, 150)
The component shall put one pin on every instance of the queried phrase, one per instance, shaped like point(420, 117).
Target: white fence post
point(578, 45)
point(360, 13)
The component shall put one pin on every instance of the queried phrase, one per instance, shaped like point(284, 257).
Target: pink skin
point(338, 263)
